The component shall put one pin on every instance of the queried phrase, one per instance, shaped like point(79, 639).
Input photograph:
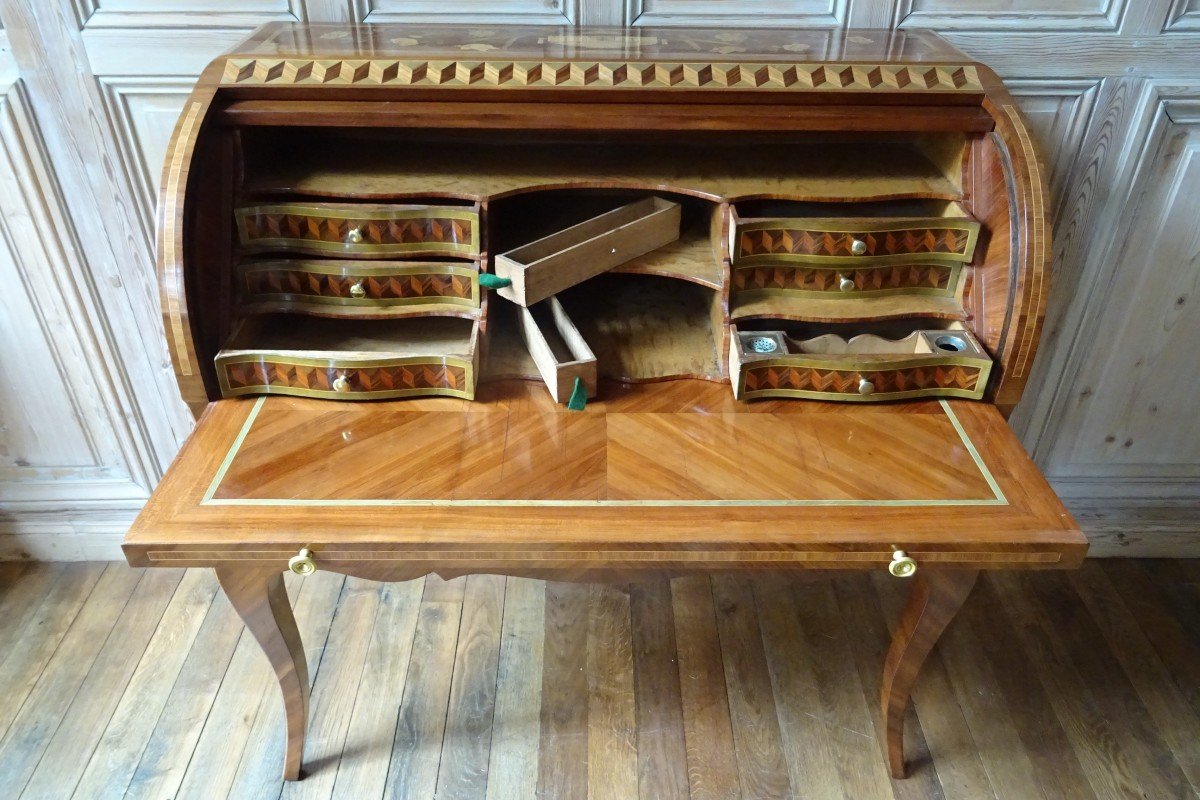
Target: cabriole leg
point(935, 599)
point(261, 601)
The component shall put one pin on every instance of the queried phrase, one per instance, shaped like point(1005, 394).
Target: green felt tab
point(489, 281)
point(578, 396)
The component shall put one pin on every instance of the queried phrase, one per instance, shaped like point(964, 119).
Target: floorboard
point(143, 684)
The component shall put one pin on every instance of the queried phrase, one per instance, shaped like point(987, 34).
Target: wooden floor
point(116, 682)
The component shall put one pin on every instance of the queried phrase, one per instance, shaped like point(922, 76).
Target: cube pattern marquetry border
point(396, 288)
point(678, 75)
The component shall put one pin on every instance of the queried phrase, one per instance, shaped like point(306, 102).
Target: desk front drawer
point(853, 241)
point(363, 230)
point(348, 288)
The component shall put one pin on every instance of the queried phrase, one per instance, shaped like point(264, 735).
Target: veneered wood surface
point(653, 476)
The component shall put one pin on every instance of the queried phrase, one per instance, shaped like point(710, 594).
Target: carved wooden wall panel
point(89, 100)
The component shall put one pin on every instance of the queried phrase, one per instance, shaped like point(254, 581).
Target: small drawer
point(849, 281)
point(854, 241)
point(927, 363)
point(560, 353)
point(364, 230)
point(556, 262)
point(355, 288)
point(350, 359)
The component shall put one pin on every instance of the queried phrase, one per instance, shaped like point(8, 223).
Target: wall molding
point(62, 299)
point(93, 14)
point(949, 15)
point(530, 12)
point(734, 13)
point(141, 176)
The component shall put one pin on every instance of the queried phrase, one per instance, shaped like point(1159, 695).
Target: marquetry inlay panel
point(939, 279)
point(416, 376)
point(679, 75)
point(360, 230)
point(792, 380)
point(781, 239)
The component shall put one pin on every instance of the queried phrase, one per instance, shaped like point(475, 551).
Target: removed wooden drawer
point(560, 353)
point(358, 288)
point(927, 363)
point(850, 241)
point(341, 359)
point(559, 261)
point(360, 229)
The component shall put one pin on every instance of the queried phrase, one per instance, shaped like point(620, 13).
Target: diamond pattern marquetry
point(376, 287)
point(866, 279)
point(790, 241)
point(511, 74)
point(846, 382)
point(362, 380)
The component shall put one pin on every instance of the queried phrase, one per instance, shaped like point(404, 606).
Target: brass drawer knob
point(858, 247)
point(303, 563)
point(865, 387)
point(357, 290)
point(845, 284)
point(341, 384)
point(354, 236)
point(902, 565)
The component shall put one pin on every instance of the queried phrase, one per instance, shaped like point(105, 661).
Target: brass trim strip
point(233, 450)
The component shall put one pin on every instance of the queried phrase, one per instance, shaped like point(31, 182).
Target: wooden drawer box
point(560, 353)
point(349, 359)
point(357, 288)
point(360, 229)
point(852, 240)
point(927, 363)
point(833, 281)
point(559, 261)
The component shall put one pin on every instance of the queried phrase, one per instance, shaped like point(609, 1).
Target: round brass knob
point(357, 290)
point(902, 566)
point(341, 384)
point(354, 236)
point(858, 247)
point(845, 284)
point(303, 562)
point(865, 386)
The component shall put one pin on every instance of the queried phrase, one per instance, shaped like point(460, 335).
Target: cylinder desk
point(601, 304)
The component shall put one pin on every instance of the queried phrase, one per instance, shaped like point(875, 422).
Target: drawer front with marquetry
point(360, 379)
point(362, 230)
point(853, 241)
point(820, 380)
point(941, 280)
point(353, 287)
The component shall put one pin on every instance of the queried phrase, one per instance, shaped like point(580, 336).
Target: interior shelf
point(296, 161)
point(689, 258)
point(819, 309)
